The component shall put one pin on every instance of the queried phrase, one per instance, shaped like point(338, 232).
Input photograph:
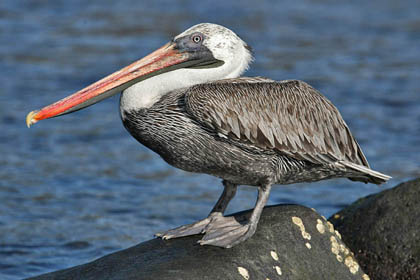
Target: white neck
point(146, 93)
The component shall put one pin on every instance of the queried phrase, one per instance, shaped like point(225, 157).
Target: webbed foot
point(228, 235)
point(223, 231)
point(214, 217)
point(186, 230)
point(214, 220)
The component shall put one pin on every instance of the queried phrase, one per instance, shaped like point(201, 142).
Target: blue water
point(77, 187)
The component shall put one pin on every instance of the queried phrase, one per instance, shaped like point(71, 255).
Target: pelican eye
point(197, 38)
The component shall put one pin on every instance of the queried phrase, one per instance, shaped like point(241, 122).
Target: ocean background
point(77, 187)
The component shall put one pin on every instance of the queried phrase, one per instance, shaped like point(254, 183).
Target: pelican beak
point(164, 59)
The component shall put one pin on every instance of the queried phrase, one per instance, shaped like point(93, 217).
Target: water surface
point(77, 187)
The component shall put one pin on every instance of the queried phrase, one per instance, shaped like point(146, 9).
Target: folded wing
point(290, 117)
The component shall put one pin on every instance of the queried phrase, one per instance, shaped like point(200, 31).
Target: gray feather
point(289, 116)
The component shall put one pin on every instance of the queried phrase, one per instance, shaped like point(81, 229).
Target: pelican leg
point(216, 213)
point(229, 233)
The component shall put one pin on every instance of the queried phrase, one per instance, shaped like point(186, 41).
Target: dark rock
point(291, 242)
point(383, 230)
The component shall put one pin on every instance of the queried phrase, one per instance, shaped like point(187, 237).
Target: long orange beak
point(162, 60)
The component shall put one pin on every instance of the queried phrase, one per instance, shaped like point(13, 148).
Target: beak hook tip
point(30, 120)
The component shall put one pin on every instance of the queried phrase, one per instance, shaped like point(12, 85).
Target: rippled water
point(77, 187)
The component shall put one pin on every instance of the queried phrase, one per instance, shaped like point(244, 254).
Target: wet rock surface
point(383, 230)
point(291, 242)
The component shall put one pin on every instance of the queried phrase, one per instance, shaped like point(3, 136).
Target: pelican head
point(205, 52)
point(222, 43)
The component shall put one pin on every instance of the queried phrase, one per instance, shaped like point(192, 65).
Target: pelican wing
point(289, 116)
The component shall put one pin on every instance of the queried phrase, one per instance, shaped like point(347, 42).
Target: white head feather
point(224, 44)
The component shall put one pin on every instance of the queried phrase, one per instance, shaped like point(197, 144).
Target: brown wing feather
point(289, 116)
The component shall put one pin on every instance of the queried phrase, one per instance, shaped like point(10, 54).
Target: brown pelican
point(187, 102)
